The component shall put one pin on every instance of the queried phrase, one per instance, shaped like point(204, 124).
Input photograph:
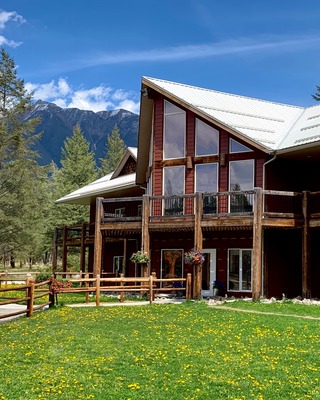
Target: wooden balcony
point(211, 210)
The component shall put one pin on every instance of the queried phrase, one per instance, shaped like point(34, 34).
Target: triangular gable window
point(236, 147)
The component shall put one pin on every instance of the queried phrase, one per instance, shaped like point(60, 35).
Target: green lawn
point(161, 352)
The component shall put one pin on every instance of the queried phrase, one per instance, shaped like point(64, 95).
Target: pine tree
point(114, 151)
point(78, 169)
point(18, 166)
point(316, 96)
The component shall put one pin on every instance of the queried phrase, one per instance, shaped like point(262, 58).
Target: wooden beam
point(98, 238)
point(145, 234)
point(64, 249)
point(306, 281)
point(198, 237)
point(257, 245)
point(124, 263)
point(55, 250)
point(83, 248)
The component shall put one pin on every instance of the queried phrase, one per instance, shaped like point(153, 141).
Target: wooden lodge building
point(235, 177)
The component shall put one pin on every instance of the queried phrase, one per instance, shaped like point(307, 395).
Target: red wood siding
point(157, 146)
point(259, 173)
point(190, 151)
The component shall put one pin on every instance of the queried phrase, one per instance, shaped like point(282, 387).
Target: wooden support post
point(145, 235)
point(257, 245)
point(151, 294)
point(55, 250)
point(83, 247)
point(188, 287)
point(198, 238)
point(87, 285)
point(64, 249)
point(30, 293)
point(197, 281)
point(98, 238)
point(124, 264)
point(6, 278)
point(144, 274)
point(121, 292)
point(306, 278)
point(97, 290)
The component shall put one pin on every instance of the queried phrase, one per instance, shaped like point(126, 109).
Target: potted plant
point(139, 257)
point(194, 257)
point(217, 287)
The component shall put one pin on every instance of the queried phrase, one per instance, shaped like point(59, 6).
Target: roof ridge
point(225, 93)
point(278, 146)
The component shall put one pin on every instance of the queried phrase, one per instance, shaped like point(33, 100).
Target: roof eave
point(204, 115)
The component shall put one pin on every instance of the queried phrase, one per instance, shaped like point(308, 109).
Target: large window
point(239, 270)
point(207, 139)
point(241, 178)
point(174, 131)
point(207, 182)
point(173, 185)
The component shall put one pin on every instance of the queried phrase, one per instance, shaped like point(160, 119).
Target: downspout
point(263, 188)
point(264, 170)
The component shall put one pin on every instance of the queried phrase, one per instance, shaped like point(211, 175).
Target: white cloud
point(5, 18)
point(96, 99)
point(241, 45)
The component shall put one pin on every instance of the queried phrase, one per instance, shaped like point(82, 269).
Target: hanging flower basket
point(194, 257)
point(139, 257)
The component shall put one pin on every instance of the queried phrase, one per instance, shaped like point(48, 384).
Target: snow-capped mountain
point(57, 124)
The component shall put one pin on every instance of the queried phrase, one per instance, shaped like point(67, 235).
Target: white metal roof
point(272, 125)
point(102, 186)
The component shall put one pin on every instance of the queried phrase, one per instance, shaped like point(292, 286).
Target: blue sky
point(92, 54)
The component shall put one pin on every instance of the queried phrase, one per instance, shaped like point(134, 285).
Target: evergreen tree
point(18, 167)
point(114, 151)
point(78, 169)
point(316, 96)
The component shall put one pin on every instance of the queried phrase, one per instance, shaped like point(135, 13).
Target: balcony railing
point(279, 204)
point(122, 209)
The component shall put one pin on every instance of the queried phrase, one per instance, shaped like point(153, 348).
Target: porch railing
point(122, 209)
point(275, 203)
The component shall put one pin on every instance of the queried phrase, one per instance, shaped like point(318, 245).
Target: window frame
point(118, 259)
point(252, 160)
point(165, 133)
point(245, 148)
point(198, 120)
point(241, 250)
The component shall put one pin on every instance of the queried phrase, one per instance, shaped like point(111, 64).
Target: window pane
point(207, 178)
point(241, 178)
point(246, 269)
point(174, 132)
point(234, 270)
point(173, 178)
point(241, 175)
point(207, 139)
point(173, 185)
point(236, 147)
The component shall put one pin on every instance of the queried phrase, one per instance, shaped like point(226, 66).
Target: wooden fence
point(15, 276)
point(31, 292)
point(146, 285)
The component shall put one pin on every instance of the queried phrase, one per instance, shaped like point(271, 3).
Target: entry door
point(208, 272)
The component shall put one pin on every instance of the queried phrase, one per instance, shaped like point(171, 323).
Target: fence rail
point(31, 291)
point(145, 285)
